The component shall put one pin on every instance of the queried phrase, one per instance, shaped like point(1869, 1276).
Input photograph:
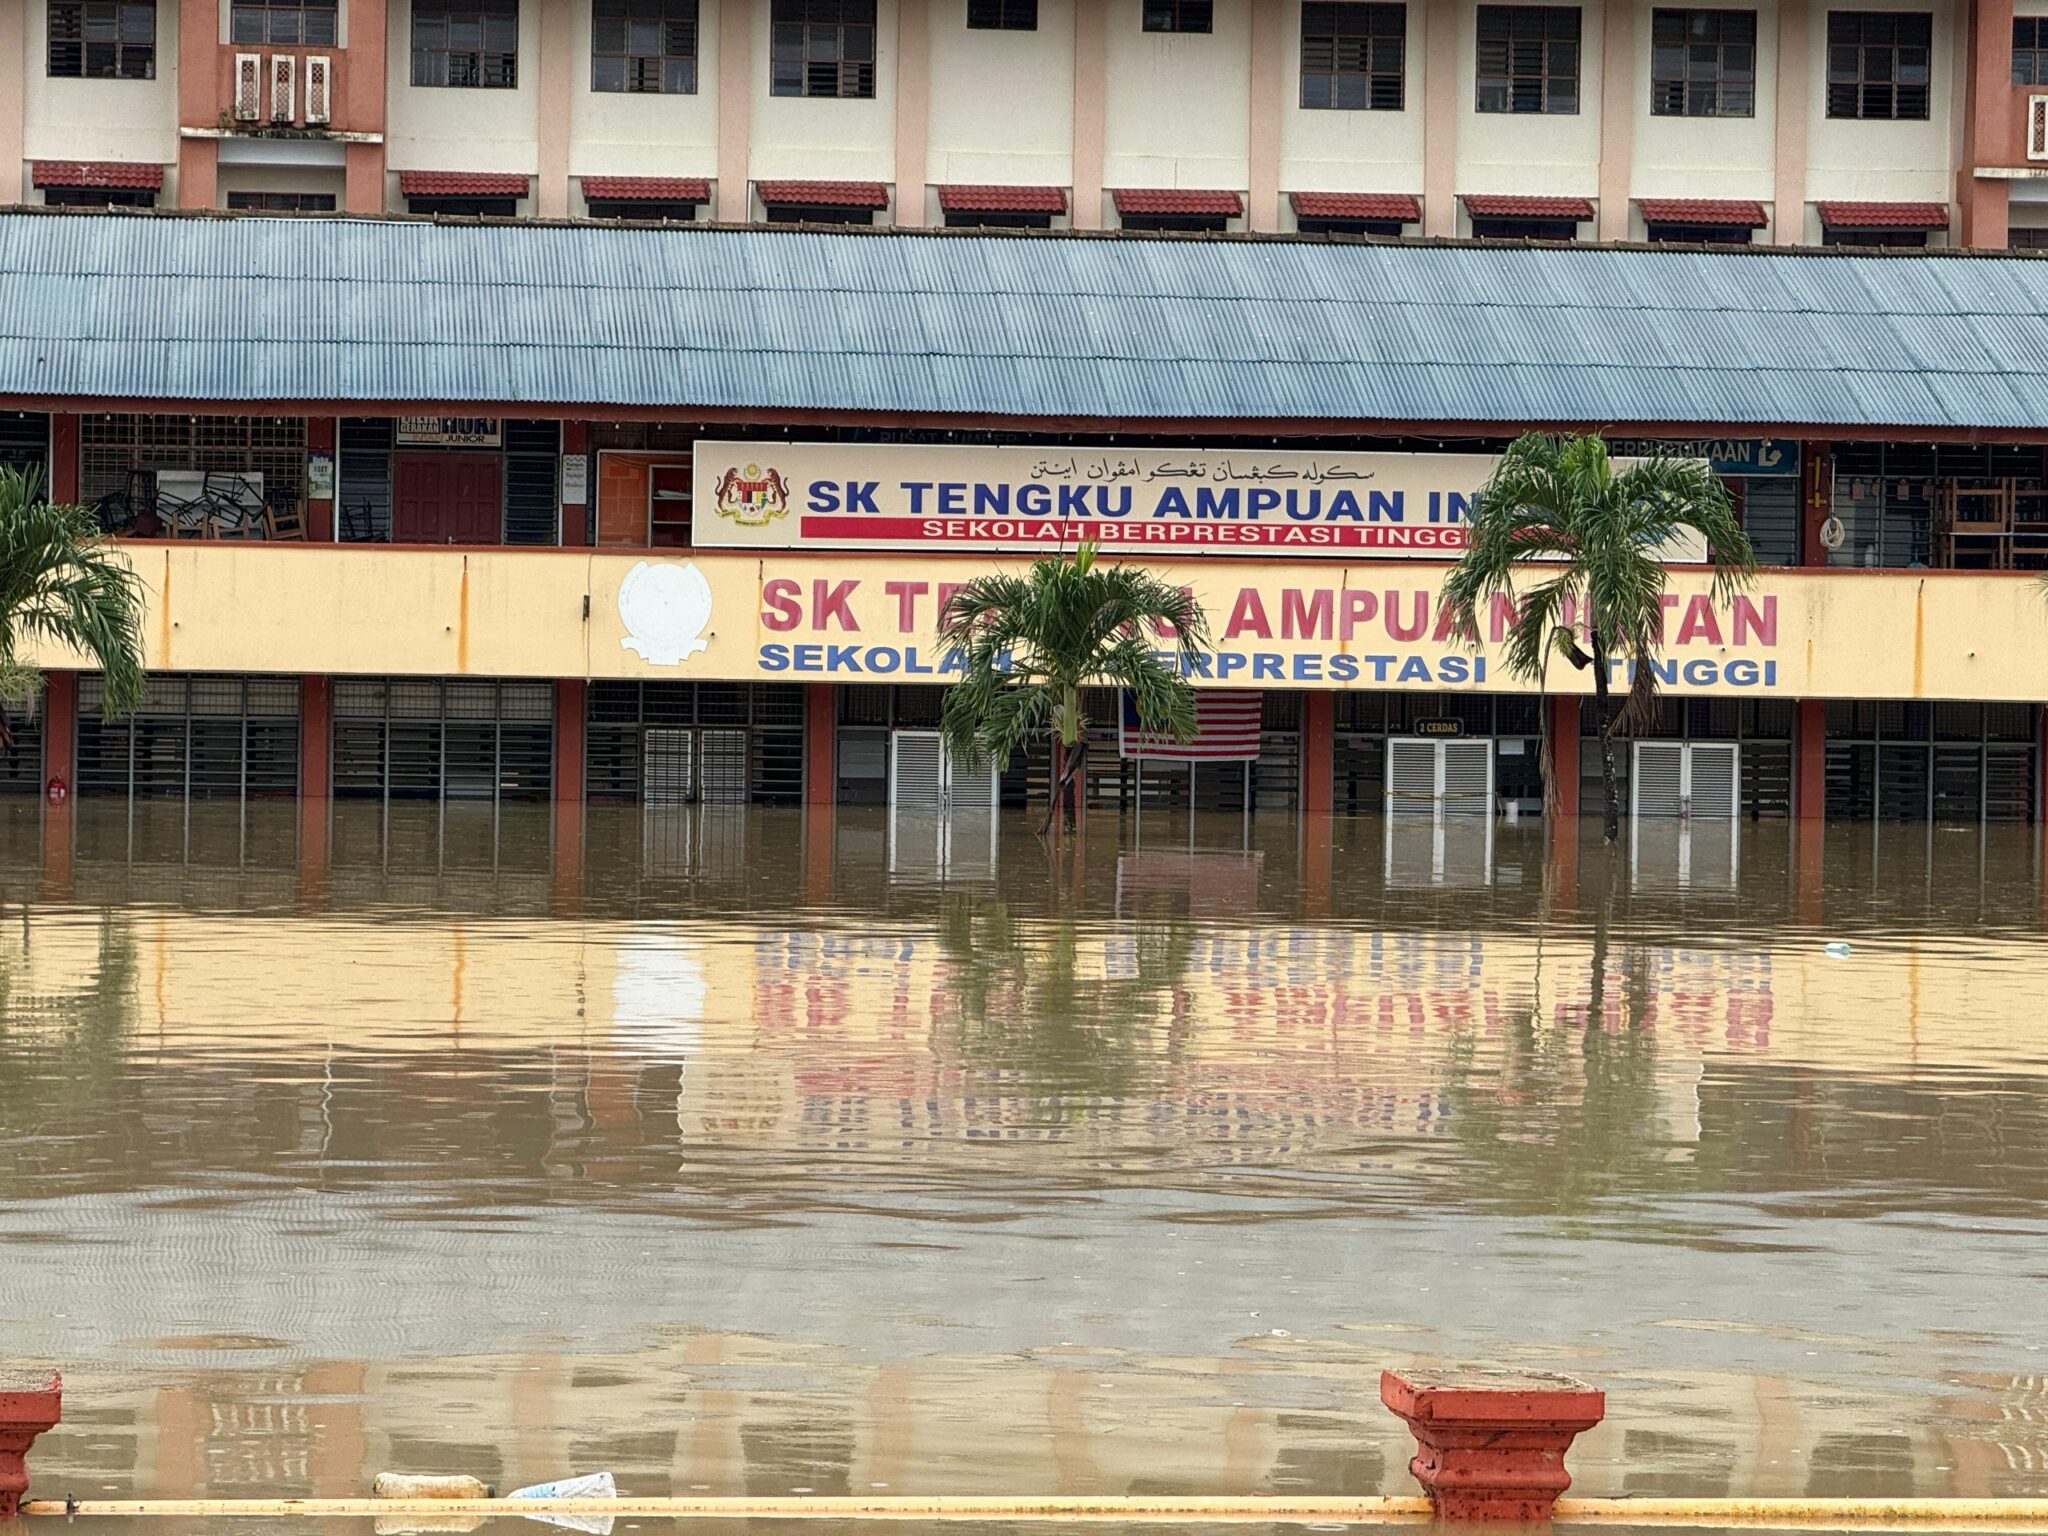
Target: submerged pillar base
point(1490, 1445)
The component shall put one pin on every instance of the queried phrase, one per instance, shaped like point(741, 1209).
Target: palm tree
point(1587, 540)
point(1031, 643)
point(63, 585)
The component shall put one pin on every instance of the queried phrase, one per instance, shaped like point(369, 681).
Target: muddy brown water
point(742, 1155)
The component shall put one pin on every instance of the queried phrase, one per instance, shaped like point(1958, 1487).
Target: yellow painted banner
point(853, 617)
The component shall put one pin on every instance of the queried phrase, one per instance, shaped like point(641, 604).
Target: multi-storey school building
point(553, 495)
point(1792, 122)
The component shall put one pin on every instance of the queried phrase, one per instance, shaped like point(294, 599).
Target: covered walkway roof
point(1185, 334)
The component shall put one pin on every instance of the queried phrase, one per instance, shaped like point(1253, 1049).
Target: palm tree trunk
point(1079, 775)
point(1610, 799)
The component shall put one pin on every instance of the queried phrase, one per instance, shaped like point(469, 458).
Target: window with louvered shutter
point(102, 39)
point(644, 46)
point(1353, 56)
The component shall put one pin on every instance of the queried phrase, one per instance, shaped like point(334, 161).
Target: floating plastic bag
point(594, 1485)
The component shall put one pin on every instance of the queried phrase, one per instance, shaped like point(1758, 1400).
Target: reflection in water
point(751, 1153)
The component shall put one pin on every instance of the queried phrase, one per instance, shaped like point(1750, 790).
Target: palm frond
point(63, 585)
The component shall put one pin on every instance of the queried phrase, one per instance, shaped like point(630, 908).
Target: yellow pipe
point(1979, 1515)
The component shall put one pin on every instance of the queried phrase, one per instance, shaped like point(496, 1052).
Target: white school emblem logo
point(664, 608)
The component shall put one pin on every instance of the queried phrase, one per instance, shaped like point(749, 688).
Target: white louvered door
point(1656, 782)
point(1434, 777)
point(1411, 777)
point(1713, 780)
point(1699, 780)
point(942, 811)
point(1465, 776)
point(917, 771)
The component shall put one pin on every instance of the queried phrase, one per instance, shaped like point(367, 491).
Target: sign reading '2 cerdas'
point(1241, 501)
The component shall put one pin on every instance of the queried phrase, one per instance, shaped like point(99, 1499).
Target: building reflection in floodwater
point(748, 1154)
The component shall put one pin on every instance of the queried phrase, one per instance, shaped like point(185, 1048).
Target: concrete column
point(571, 694)
point(201, 68)
point(1984, 58)
point(1318, 752)
point(13, 102)
point(821, 744)
point(551, 128)
point(1795, 67)
point(1561, 793)
point(363, 82)
point(913, 108)
point(571, 702)
point(1443, 93)
point(1091, 109)
point(1269, 105)
point(316, 787)
point(576, 516)
point(60, 731)
point(1810, 760)
point(316, 738)
point(320, 432)
point(64, 458)
point(735, 109)
point(60, 761)
point(1617, 114)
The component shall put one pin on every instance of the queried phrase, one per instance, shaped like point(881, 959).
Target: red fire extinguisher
point(59, 790)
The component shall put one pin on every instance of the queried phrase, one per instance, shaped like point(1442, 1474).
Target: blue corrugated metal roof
point(193, 309)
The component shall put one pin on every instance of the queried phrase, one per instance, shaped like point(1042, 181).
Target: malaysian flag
point(1226, 730)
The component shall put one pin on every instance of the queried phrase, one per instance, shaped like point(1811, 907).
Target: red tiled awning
point(1357, 205)
point(1177, 200)
point(1487, 205)
point(1721, 214)
point(1884, 215)
point(647, 189)
point(97, 173)
point(824, 194)
point(460, 184)
point(962, 198)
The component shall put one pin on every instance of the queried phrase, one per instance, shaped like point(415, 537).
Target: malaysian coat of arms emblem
point(752, 497)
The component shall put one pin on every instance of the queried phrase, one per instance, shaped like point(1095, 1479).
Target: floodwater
point(745, 1154)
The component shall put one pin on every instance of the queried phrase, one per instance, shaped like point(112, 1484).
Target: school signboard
point(1247, 502)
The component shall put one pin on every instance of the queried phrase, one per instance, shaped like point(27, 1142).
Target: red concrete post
point(1490, 1445)
point(30, 1403)
point(571, 694)
point(1318, 752)
point(1561, 789)
point(60, 734)
point(320, 510)
point(577, 522)
point(64, 459)
point(821, 744)
point(1810, 760)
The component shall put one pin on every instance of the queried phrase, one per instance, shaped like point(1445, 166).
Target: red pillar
point(316, 781)
point(570, 694)
point(60, 730)
point(1561, 793)
point(1318, 752)
point(30, 1405)
point(1988, 137)
point(571, 714)
point(320, 512)
point(821, 744)
point(60, 761)
point(576, 519)
point(1810, 761)
point(64, 459)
